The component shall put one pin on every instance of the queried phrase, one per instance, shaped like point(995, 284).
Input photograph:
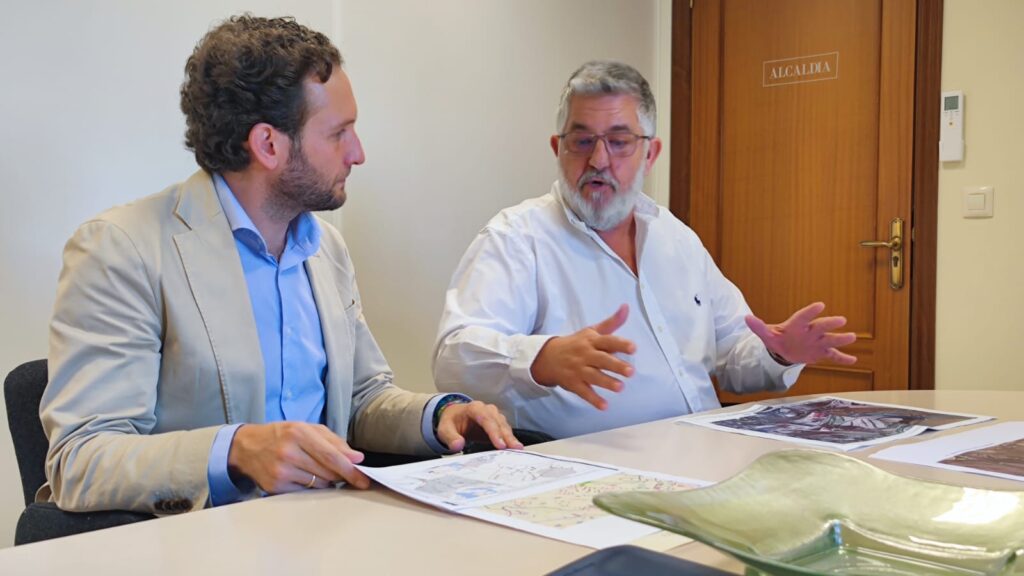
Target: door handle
point(895, 246)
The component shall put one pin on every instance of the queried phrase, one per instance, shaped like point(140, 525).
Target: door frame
point(925, 171)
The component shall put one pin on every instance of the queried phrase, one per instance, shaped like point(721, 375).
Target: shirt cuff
point(427, 426)
point(526, 352)
point(222, 489)
point(787, 375)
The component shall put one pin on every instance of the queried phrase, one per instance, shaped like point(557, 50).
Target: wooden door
point(802, 147)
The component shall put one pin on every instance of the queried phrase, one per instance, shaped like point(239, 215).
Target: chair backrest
point(23, 389)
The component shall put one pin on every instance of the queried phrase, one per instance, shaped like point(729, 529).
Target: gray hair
point(601, 77)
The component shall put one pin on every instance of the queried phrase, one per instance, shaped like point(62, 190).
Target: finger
point(338, 443)
point(488, 421)
point(804, 315)
point(595, 377)
point(509, 435)
point(827, 324)
point(613, 344)
point(299, 479)
point(840, 357)
point(602, 361)
point(448, 431)
point(305, 462)
point(336, 454)
point(837, 340)
point(613, 322)
point(583, 390)
point(759, 328)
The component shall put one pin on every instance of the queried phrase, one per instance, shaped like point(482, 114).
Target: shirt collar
point(303, 232)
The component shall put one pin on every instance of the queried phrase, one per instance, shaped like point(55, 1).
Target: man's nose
point(356, 155)
point(599, 158)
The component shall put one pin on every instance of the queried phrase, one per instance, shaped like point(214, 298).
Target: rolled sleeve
point(526, 350)
point(787, 375)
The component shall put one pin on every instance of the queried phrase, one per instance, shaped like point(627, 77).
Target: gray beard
point(595, 214)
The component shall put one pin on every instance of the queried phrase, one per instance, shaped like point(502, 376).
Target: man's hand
point(577, 362)
point(459, 420)
point(804, 338)
point(285, 457)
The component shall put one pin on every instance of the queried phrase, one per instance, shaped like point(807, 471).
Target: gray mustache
point(602, 175)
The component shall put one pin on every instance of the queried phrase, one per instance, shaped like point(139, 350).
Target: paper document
point(996, 450)
point(546, 495)
point(832, 422)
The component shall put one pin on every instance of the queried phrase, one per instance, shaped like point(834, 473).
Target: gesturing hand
point(459, 420)
point(576, 362)
point(805, 338)
point(289, 456)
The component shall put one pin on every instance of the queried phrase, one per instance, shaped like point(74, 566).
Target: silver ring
point(312, 481)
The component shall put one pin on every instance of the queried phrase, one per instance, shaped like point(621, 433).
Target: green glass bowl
point(816, 512)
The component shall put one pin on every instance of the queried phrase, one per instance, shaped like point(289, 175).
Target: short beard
point(596, 212)
point(300, 188)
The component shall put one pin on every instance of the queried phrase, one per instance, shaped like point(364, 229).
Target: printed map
point(461, 481)
point(573, 505)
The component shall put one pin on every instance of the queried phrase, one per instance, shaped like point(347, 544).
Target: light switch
point(978, 201)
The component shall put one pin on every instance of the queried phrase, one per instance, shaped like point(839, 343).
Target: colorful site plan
point(996, 450)
point(547, 495)
point(831, 422)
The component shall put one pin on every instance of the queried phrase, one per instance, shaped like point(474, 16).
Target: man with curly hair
point(208, 342)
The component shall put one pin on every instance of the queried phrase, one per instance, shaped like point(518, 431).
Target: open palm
point(804, 337)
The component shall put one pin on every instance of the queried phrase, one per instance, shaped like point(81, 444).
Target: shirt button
point(661, 328)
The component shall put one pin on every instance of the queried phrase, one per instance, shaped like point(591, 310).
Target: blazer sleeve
point(384, 417)
point(98, 409)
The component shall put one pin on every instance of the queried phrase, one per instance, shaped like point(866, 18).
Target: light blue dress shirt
point(290, 335)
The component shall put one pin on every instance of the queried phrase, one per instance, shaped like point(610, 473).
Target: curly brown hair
point(245, 71)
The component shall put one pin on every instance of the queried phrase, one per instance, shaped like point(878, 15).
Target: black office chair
point(23, 390)
point(526, 436)
point(382, 459)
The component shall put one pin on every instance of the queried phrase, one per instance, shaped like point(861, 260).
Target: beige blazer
point(153, 347)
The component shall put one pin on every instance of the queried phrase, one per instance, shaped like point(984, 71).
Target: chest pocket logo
point(696, 298)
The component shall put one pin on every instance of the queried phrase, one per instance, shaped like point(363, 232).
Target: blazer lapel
point(336, 340)
point(214, 272)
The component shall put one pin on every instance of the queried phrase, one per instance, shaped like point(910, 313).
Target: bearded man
point(526, 324)
point(208, 343)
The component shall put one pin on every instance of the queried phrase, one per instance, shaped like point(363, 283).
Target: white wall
point(980, 309)
point(457, 101)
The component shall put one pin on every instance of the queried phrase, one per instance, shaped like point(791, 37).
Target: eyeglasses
point(619, 144)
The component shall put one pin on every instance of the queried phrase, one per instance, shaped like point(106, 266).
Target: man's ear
point(653, 150)
point(555, 141)
point(268, 146)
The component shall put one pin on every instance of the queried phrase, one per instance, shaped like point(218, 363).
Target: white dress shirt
point(537, 271)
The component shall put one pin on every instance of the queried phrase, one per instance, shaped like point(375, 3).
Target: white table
point(379, 532)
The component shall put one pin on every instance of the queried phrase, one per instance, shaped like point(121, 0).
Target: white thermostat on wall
point(951, 134)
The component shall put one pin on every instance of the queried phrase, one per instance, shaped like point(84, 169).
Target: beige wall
point(980, 284)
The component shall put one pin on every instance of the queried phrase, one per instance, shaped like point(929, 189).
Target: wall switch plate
point(978, 201)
